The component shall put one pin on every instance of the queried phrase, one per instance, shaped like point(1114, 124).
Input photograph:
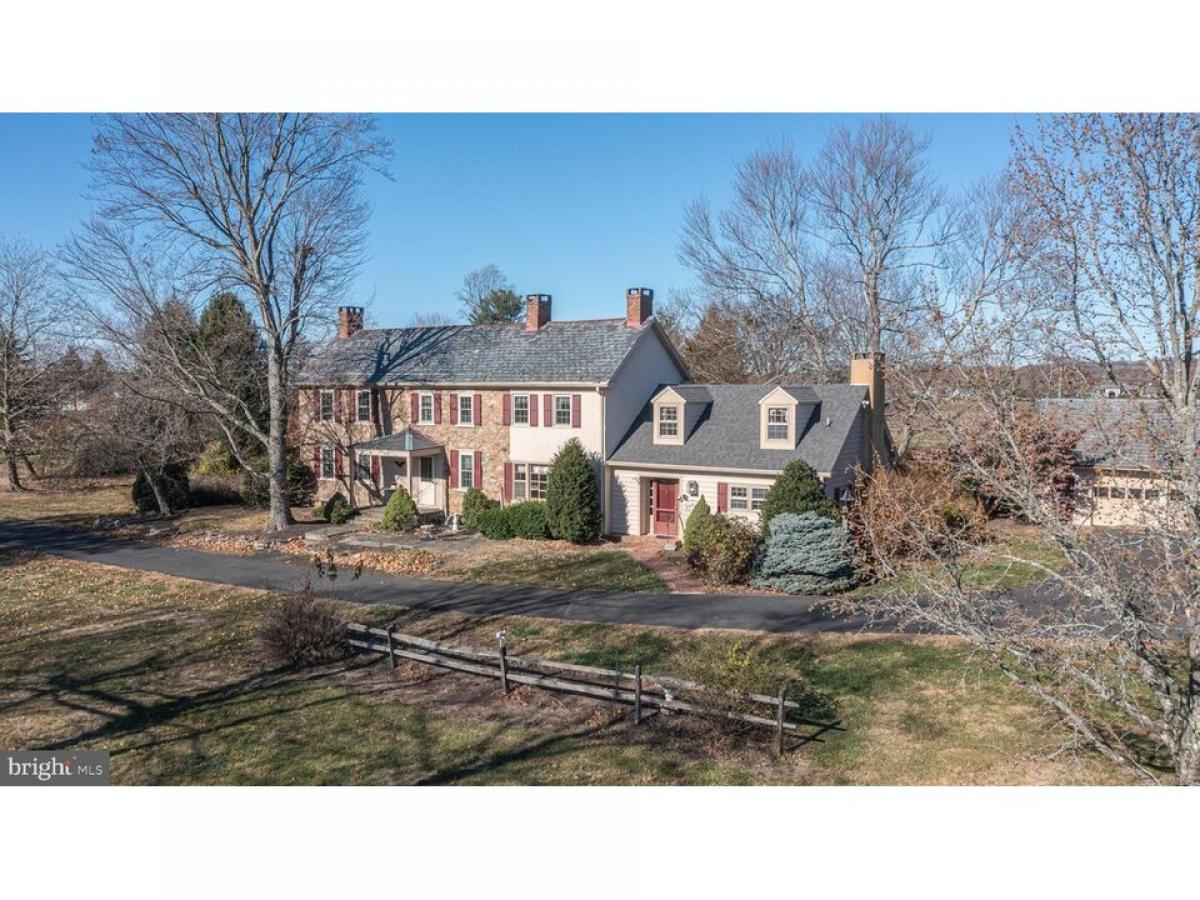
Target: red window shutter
point(316, 462)
point(337, 461)
point(376, 469)
point(575, 403)
point(508, 482)
point(453, 468)
point(414, 408)
point(337, 405)
point(477, 409)
point(316, 404)
point(722, 496)
point(454, 409)
point(374, 406)
point(548, 418)
point(437, 409)
point(507, 415)
point(533, 410)
point(478, 482)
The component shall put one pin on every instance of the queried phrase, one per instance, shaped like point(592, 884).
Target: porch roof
point(409, 440)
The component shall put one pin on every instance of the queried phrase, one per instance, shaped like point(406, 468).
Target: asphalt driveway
point(280, 572)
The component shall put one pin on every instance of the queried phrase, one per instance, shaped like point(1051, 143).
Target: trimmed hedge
point(517, 520)
point(475, 502)
point(400, 513)
point(804, 554)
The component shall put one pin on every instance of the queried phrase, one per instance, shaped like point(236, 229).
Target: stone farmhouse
point(442, 409)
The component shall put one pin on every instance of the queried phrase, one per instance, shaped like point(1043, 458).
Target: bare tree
point(1111, 640)
point(29, 349)
point(267, 205)
point(816, 260)
point(488, 296)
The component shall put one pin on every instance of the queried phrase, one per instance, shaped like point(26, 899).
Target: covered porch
point(412, 460)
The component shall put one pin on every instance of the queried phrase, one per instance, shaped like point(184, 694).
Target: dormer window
point(668, 421)
point(777, 423)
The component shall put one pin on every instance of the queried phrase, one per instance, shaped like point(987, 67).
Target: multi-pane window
point(738, 497)
point(466, 469)
point(425, 410)
point(520, 409)
point(777, 423)
point(758, 496)
point(668, 421)
point(327, 462)
point(362, 467)
point(529, 482)
point(562, 409)
point(326, 406)
point(364, 406)
point(465, 409)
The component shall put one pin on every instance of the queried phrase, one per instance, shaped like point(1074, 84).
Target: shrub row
point(520, 520)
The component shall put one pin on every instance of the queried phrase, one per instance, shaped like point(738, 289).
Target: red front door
point(664, 508)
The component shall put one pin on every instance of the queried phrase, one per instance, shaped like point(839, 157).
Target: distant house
point(1120, 462)
point(440, 410)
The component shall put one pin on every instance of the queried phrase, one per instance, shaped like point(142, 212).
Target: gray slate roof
point(409, 439)
point(1119, 433)
point(584, 351)
point(727, 435)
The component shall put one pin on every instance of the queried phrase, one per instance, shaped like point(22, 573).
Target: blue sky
point(578, 206)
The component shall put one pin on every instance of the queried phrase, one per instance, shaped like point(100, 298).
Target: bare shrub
point(303, 630)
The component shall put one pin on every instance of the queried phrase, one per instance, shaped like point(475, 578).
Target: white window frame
point(569, 408)
point(757, 502)
point(528, 404)
point(786, 422)
point(468, 471)
point(362, 468)
point(658, 425)
point(321, 416)
point(327, 456)
point(523, 481)
point(466, 403)
point(744, 499)
point(421, 398)
point(358, 406)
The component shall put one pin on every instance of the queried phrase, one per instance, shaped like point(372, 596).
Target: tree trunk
point(160, 497)
point(14, 480)
point(29, 465)
point(1187, 761)
point(281, 513)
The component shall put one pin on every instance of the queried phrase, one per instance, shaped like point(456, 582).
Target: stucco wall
point(1130, 507)
point(538, 443)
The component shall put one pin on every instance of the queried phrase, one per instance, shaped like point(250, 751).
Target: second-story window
point(326, 406)
point(426, 408)
point(668, 421)
point(364, 406)
point(562, 409)
point(777, 423)
point(520, 409)
point(466, 409)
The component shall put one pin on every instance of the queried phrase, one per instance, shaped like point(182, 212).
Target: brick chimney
point(537, 311)
point(867, 369)
point(639, 306)
point(350, 321)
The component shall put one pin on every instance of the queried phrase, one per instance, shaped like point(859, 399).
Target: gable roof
point(727, 435)
point(1115, 432)
point(587, 352)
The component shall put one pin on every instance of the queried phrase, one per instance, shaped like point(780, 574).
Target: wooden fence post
point(637, 694)
point(391, 649)
point(779, 720)
point(500, 636)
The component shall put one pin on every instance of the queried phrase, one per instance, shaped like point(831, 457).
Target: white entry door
point(426, 492)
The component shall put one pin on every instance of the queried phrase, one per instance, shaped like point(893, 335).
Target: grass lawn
point(551, 566)
point(166, 675)
point(70, 502)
